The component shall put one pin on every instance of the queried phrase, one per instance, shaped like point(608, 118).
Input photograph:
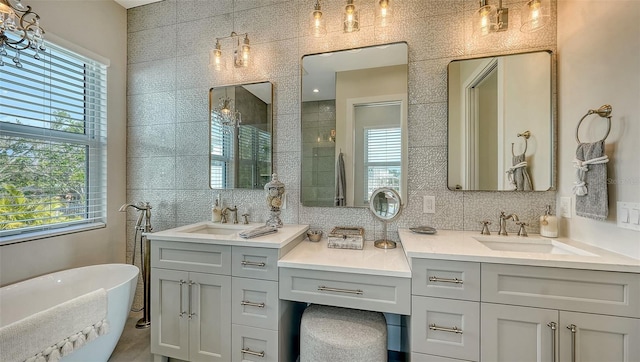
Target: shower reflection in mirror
point(240, 136)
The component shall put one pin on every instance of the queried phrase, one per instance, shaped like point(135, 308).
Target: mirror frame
point(394, 194)
point(271, 131)
point(552, 119)
point(404, 163)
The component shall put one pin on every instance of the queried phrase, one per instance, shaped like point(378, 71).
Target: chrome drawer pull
point(322, 288)
point(252, 263)
point(182, 313)
point(248, 351)
point(553, 327)
point(252, 304)
point(455, 329)
point(446, 280)
point(191, 314)
point(573, 328)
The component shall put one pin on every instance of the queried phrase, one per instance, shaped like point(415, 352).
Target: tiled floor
point(134, 343)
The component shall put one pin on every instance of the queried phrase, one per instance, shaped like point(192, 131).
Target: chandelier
point(19, 31)
point(225, 115)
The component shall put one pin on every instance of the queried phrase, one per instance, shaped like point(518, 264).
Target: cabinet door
point(598, 338)
point(511, 333)
point(210, 322)
point(169, 322)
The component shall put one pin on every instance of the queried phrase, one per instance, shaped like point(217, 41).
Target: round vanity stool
point(341, 334)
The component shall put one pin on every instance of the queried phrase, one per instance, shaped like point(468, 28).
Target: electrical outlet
point(565, 207)
point(429, 205)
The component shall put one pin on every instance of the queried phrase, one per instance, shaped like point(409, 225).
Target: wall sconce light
point(240, 55)
point(318, 24)
point(488, 19)
point(535, 14)
point(19, 30)
point(383, 13)
point(332, 135)
point(351, 18)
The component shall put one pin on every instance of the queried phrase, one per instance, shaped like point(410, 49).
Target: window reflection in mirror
point(492, 103)
point(241, 129)
point(354, 103)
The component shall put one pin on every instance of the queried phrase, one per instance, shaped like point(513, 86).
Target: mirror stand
point(384, 243)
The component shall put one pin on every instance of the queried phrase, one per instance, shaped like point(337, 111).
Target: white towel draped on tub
point(56, 332)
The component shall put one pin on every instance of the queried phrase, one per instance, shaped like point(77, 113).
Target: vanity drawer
point(421, 357)
point(254, 344)
point(255, 302)
point(590, 291)
point(446, 279)
point(446, 327)
point(204, 258)
point(258, 263)
point(350, 290)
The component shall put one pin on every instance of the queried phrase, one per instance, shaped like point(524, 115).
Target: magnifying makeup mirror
point(385, 205)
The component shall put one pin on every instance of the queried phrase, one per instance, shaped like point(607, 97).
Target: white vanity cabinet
point(551, 314)
point(213, 302)
point(527, 313)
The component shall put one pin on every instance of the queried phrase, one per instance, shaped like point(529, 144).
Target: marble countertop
point(191, 234)
point(463, 246)
point(370, 260)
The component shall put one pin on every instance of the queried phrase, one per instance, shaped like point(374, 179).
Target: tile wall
point(169, 79)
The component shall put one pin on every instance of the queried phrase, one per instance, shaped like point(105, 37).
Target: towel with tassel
point(590, 186)
point(51, 334)
point(518, 174)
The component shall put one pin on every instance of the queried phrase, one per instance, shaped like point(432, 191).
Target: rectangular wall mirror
point(354, 104)
point(241, 133)
point(501, 127)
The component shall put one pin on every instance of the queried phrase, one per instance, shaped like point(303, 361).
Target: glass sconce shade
point(225, 115)
point(215, 57)
point(384, 13)
point(318, 24)
point(485, 20)
point(351, 18)
point(535, 14)
point(243, 52)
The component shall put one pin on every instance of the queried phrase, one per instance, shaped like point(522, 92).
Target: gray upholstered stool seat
point(340, 334)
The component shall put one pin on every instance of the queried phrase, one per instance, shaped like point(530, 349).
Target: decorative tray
point(423, 230)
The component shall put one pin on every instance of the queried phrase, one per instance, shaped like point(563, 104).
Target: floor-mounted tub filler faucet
point(144, 208)
point(503, 222)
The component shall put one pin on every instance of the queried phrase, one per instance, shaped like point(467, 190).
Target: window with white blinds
point(383, 158)
point(221, 171)
point(52, 144)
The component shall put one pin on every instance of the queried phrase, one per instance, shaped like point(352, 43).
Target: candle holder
point(275, 196)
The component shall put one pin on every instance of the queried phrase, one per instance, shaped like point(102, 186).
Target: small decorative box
point(343, 237)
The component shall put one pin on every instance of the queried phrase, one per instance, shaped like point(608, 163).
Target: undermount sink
point(529, 245)
point(216, 229)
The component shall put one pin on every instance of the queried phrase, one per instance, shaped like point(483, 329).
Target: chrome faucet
point(234, 210)
point(145, 215)
point(503, 222)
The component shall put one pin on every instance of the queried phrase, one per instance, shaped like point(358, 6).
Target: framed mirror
point(240, 136)
point(354, 124)
point(385, 204)
point(501, 126)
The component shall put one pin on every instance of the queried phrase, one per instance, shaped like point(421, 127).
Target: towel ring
point(604, 112)
point(525, 135)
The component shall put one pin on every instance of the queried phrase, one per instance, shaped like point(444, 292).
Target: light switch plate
point(565, 207)
point(628, 215)
point(429, 205)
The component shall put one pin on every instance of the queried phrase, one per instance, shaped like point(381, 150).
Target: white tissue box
point(348, 242)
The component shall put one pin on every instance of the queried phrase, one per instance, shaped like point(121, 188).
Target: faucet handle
point(245, 218)
point(485, 228)
point(522, 231)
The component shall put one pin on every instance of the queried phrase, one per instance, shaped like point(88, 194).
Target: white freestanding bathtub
point(28, 297)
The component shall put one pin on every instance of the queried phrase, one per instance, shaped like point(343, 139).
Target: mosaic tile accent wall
point(169, 79)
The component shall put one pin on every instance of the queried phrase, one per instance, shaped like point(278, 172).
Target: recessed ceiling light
point(316, 90)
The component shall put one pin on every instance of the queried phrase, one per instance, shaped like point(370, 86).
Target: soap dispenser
point(216, 212)
point(548, 224)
